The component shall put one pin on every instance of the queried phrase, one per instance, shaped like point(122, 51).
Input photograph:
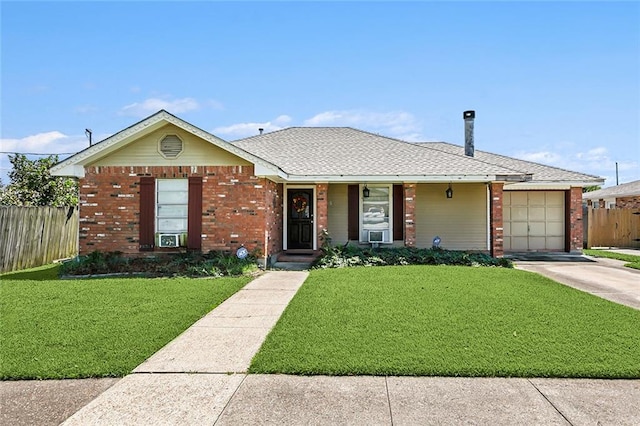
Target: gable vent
point(171, 146)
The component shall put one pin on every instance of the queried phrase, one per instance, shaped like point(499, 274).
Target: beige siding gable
point(460, 222)
point(145, 152)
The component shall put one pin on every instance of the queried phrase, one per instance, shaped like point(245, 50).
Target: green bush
point(351, 255)
point(191, 264)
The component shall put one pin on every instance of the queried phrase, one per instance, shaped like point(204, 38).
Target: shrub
point(193, 264)
point(351, 255)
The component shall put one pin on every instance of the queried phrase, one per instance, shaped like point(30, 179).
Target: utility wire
point(37, 153)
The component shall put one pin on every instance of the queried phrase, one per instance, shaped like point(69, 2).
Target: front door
point(300, 219)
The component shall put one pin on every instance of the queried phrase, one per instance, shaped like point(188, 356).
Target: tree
point(590, 188)
point(31, 184)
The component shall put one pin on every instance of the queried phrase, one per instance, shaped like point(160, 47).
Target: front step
point(296, 261)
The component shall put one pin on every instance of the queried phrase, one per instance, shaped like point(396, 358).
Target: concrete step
point(292, 266)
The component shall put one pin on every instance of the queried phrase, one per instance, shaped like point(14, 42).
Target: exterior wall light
point(365, 192)
point(449, 192)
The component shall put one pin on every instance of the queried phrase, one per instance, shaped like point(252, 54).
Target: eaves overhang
point(475, 178)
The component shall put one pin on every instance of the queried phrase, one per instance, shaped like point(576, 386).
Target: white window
point(172, 199)
point(376, 214)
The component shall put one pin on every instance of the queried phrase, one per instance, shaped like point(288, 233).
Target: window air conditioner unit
point(376, 236)
point(169, 240)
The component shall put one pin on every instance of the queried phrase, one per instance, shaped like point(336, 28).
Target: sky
point(552, 82)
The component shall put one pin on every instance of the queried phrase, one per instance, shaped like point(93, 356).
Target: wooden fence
point(35, 236)
point(613, 228)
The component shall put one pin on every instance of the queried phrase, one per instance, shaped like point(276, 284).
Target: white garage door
point(533, 220)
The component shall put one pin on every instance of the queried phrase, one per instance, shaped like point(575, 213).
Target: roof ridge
point(477, 159)
point(519, 159)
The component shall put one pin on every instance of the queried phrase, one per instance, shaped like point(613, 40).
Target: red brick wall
point(322, 210)
point(497, 226)
point(237, 207)
point(628, 202)
point(409, 214)
point(574, 228)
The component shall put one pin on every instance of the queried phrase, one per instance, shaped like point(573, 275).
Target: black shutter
point(353, 213)
point(147, 213)
point(194, 225)
point(398, 213)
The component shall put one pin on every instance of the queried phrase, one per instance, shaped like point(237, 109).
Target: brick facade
point(409, 214)
point(237, 207)
point(574, 226)
point(322, 210)
point(628, 202)
point(496, 219)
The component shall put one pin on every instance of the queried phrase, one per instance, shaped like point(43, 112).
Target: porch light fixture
point(449, 192)
point(365, 192)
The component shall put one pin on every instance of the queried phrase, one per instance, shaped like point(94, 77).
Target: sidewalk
point(200, 378)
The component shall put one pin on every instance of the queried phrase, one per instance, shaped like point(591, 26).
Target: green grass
point(634, 261)
point(95, 328)
point(450, 321)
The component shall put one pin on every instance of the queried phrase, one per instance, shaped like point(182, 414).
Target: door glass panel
point(300, 206)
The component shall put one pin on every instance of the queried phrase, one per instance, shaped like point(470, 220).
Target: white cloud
point(53, 142)
point(594, 161)
point(544, 157)
point(152, 105)
point(397, 124)
point(242, 130)
point(41, 142)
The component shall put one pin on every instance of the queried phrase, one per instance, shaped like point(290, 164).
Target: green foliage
point(590, 188)
point(351, 255)
point(634, 261)
point(192, 264)
point(449, 321)
point(57, 329)
point(32, 184)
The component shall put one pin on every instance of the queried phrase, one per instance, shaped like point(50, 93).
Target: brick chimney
point(468, 132)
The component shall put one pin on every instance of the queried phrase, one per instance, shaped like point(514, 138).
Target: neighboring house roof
point(74, 165)
point(344, 153)
point(629, 189)
point(540, 173)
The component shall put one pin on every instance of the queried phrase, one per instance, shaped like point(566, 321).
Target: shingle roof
point(540, 172)
point(344, 151)
point(629, 189)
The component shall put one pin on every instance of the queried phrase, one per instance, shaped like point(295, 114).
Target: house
point(624, 196)
point(164, 185)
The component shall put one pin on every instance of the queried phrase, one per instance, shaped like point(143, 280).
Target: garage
point(534, 220)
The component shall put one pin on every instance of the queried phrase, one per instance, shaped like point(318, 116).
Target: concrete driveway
point(606, 278)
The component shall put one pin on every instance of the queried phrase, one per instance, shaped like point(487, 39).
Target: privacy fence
point(35, 236)
point(612, 228)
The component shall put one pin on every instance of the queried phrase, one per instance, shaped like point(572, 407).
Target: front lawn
point(95, 328)
point(634, 261)
point(450, 321)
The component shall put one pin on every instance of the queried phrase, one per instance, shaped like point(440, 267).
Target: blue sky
point(552, 82)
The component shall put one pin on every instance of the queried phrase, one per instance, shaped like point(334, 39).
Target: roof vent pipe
point(261, 130)
point(468, 132)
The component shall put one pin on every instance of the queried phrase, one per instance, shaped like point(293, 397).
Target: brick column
point(496, 228)
point(322, 206)
point(409, 214)
point(574, 227)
